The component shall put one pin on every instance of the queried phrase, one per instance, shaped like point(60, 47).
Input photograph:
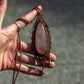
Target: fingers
point(29, 17)
point(3, 6)
point(27, 48)
point(27, 70)
point(31, 61)
point(52, 57)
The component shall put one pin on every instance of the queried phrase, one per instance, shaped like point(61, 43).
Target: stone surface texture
point(41, 39)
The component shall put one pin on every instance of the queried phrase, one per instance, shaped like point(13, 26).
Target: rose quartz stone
point(41, 39)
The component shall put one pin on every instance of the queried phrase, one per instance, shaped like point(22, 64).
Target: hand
point(8, 36)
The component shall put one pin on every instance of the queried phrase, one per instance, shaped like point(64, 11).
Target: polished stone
point(41, 39)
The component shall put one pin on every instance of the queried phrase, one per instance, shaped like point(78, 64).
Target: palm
point(8, 51)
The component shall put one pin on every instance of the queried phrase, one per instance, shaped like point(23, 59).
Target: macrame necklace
point(41, 41)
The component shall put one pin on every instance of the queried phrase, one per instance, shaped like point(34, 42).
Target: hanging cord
point(18, 45)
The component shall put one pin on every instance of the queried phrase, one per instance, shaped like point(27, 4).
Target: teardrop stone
point(41, 39)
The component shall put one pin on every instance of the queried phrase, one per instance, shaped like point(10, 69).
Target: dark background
point(66, 21)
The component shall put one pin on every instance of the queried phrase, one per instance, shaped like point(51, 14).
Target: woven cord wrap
point(23, 20)
point(19, 28)
point(16, 55)
point(37, 9)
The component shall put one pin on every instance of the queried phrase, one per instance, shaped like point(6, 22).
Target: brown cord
point(15, 77)
point(37, 9)
point(23, 20)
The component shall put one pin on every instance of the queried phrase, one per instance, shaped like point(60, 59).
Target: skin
point(8, 36)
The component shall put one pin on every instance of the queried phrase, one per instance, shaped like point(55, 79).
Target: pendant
point(41, 41)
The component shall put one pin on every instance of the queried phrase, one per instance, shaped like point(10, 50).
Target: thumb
point(3, 6)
